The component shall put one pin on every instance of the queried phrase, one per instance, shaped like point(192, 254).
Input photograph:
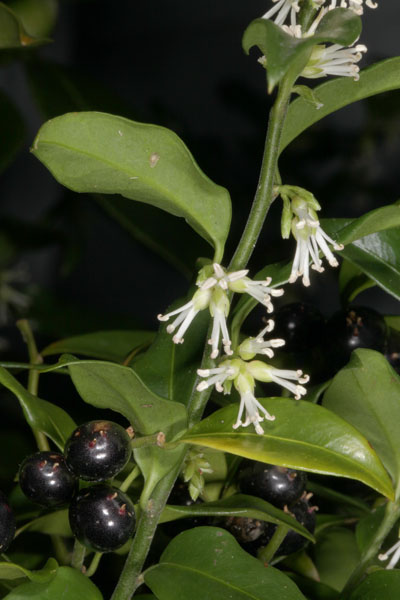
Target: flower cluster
point(325, 60)
point(299, 216)
point(243, 373)
point(213, 283)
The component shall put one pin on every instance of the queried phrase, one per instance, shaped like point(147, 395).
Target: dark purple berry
point(293, 541)
point(355, 327)
point(7, 523)
point(45, 479)
point(278, 485)
point(98, 450)
point(102, 518)
point(300, 325)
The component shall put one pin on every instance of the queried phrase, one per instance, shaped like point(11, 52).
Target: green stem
point(78, 555)
point(270, 550)
point(264, 194)
point(33, 376)
point(129, 580)
point(92, 568)
point(392, 514)
point(157, 439)
point(125, 485)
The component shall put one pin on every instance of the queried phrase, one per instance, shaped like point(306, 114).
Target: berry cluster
point(285, 489)
point(101, 516)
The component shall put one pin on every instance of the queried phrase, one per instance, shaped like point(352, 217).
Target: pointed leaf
point(303, 436)
point(108, 345)
point(207, 562)
point(239, 505)
point(337, 93)
point(40, 414)
point(11, 571)
point(101, 153)
point(367, 394)
point(288, 54)
point(68, 584)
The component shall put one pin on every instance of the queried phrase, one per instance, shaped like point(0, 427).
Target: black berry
point(45, 479)
point(98, 450)
point(355, 327)
point(300, 325)
point(7, 523)
point(278, 485)
point(102, 518)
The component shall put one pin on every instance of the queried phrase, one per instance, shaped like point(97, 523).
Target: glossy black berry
point(102, 518)
point(278, 485)
point(300, 325)
point(98, 450)
point(7, 523)
point(293, 542)
point(355, 327)
point(45, 479)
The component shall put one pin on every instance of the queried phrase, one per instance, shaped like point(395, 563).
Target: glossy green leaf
point(207, 562)
point(379, 585)
point(54, 523)
point(303, 436)
point(337, 93)
point(40, 414)
point(10, 571)
point(239, 505)
point(286, 54)
point(367, 394)
point(68, 584)
point(101, 153)
point(12, 32)
point(336, 556)
point(106, 345)
point(12, 131)
point(169, 369)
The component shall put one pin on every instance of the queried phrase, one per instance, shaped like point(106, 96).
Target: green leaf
point(116, 387)
point(336, 556)
point(55, 523)
point(393, 321)
point(40, 414)
point(13, 33)
point(367, 528)
point(288, 55)
point(169, 369)
point(68, 584)
point(107, 345)
point(239, 505)
point(303, 436)
point(101, 153)
point(337, 93)
point(207, 562)
point(378, 585)
point(367, 394)
point(10, 571)
point(352, 281)
point(12, 131)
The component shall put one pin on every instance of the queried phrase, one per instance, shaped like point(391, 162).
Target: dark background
point(180, 64)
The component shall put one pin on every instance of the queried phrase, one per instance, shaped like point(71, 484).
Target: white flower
point(395, 550)
point(334, 60)
point(252, 346)
point(186, 314)
point(354, 5)
point(311, 238)
point(219, 309)
point(259, 290)
point(283, 377)
point(243, 375)
point(281, 10)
